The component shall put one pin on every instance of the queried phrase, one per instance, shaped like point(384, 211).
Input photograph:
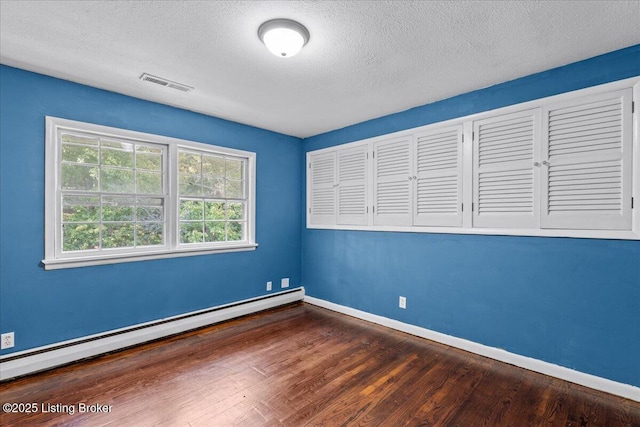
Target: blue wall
point(44, 307)
point(572, 302)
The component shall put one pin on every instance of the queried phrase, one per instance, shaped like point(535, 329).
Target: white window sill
point(581, 234)
point(85, 261)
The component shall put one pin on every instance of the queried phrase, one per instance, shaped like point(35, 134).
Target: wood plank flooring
point(301, 365)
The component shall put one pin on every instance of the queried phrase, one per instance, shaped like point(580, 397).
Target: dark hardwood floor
point(302, 365)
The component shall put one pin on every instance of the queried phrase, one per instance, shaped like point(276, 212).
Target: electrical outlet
point(7, 340)
point(284, 283)
point(402, 303)
point(269, 285)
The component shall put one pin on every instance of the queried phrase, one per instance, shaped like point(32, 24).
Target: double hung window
point(114, 195)
point(212, 198)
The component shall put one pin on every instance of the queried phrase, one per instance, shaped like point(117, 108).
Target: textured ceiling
point(365, 59)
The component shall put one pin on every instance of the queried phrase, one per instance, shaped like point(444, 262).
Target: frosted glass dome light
point(283, 37)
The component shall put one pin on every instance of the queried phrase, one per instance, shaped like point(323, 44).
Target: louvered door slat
point(438, 188)
point(352, 188)
point(392, 190)
point(322, 197)
point(505, 190)
point(587, 179)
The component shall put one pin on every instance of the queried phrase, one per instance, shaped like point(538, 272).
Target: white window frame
point(55, 258)
point(467, 173)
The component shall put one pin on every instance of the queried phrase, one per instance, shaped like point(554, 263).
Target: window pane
point(190, 185)
point(117, 180)
point(235, 210)
point(117, 209)
point(191, 210)
point(214, 210)
point(78, 177)
point(235, 231)
point(150, 210)
point(125, 146)
point(213, 166)
point(79, 154)
point(79, 139)
point(121, 158)
point(148, 161)
point(80, 237)
point(117, 235)
point(149, 234)
point(213, 187)
point(113, 195)
point(148, 182)
point(235, 189)
point(234, 169)
point(191, 232)
point(80, 209)
point(214, 232)
point(147, 149)
point(189, 163)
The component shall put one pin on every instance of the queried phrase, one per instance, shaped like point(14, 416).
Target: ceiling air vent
point(164, 82)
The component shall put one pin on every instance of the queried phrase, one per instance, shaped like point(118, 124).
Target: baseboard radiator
point(38, 359)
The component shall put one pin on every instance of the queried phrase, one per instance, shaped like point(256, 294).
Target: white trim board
point(546, 368)
point(37, 359)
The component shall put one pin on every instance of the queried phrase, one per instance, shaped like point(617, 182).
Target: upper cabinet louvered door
point(393, 178)
point(505, 179)
point(438, 187)
point(352, 185)
point(587, 163)
point(322, 191)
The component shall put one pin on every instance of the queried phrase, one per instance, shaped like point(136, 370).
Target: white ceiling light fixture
point(283, 37)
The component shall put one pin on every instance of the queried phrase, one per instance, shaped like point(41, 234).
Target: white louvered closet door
point(587, 163)
point(438, 188)
point(505, 180)
point(322, 197)
point(393, 181)
point(352, 185)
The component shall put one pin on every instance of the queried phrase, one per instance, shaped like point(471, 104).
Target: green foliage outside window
point(117, 222)
point(113, 196)
point(202, 179)
point(106, 220)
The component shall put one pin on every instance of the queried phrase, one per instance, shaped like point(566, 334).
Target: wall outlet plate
point(284, 283)
point(402, 302)
point(269, 285)
point(7, 340)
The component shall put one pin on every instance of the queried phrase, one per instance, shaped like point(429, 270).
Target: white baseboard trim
point(37, 359)
point(577, 377)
